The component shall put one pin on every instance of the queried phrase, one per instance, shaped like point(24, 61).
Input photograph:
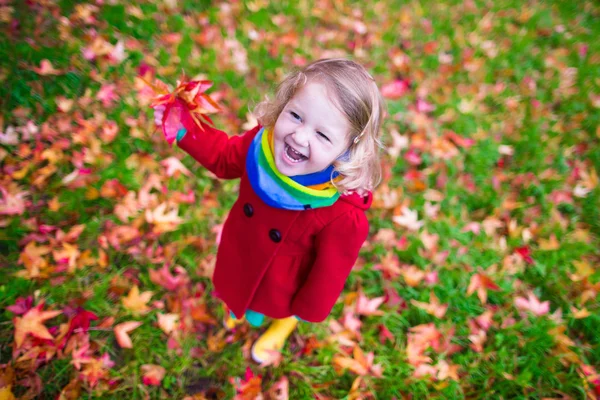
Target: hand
point(172, 128)
point(158, 115)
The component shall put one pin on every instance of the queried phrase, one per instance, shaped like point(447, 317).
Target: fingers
point(158, 114)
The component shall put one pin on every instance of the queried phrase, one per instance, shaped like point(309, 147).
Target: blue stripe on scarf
point(316, 177)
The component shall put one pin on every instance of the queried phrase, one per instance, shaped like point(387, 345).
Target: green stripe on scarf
point(278, 190)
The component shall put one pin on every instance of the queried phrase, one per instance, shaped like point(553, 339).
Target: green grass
point(495, 48)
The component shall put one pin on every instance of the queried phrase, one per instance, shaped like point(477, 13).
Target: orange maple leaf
point(481, 283)
point(434, 308)
point(33, 323)
point(360, 364)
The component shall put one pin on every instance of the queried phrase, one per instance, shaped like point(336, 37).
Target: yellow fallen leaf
point(136, 302)
point(549, 244)
point(579, 314)
point(583, 270)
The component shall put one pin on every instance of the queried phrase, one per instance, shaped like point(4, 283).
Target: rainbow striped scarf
point(300, 192)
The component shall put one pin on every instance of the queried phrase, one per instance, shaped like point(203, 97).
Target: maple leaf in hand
point(136, 302)
point(188, 100)
point(32, 323)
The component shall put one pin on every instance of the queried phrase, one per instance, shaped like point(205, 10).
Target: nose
point(300, 136)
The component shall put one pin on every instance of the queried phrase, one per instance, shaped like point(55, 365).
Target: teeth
point(295, 152)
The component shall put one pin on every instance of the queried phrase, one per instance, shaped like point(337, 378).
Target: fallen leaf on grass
point(481, 283)
point(46, 68)
point(359, 364)
point(173, 166)
point(532, 304)
point(433, 307)
point(121, 333)
point(408, 219)
point(152, 374)
point(366, 306)
point(136, 302)
point(167, 322)
point(279, 390)
point(32, 323)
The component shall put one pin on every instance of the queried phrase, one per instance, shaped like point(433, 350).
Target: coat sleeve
point(224, 156)
point(337, 247)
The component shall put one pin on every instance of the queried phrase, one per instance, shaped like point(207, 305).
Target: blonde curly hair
point(356, 95)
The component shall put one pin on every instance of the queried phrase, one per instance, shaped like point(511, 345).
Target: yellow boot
point(230, 322)
point(273, 339)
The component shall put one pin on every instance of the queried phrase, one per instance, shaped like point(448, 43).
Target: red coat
point(274, 261)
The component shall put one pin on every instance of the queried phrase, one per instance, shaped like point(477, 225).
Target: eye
point(296, 116)
point(323, 136)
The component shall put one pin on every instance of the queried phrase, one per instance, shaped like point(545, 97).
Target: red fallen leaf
point(21, 306)
point(32, 323)
point(164, 278)
point(152, 374)
point(525, 253)
point(121, 333)
point(459, 140)
point(248, 388)
point(481, 283)
point(385, 334)
point(112, 188)
point(81, 320)
point(396, 89)
point(81, 355)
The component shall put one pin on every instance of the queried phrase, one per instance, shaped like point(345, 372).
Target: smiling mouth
point(293, 155)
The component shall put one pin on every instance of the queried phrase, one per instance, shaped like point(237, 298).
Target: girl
point(307, 172)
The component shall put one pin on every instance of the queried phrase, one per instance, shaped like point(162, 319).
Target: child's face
point(310, 133)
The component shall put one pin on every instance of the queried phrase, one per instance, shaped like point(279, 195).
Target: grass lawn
point(480, 278)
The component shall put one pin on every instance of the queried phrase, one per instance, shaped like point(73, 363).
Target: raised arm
point(221, 154)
